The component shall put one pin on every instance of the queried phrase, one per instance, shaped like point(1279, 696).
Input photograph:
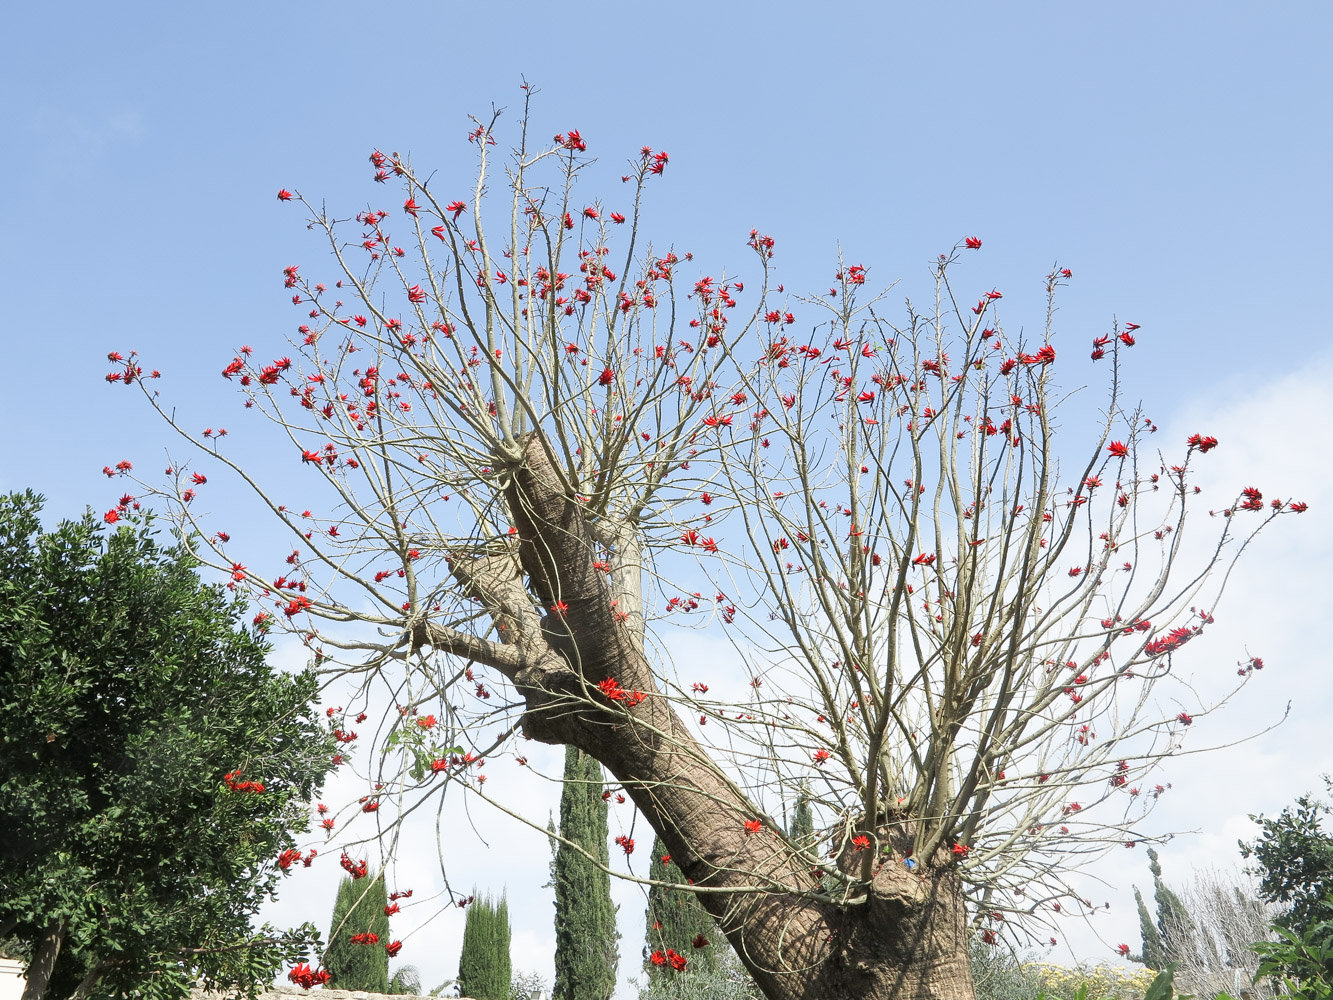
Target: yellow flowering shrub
point(1105, 982)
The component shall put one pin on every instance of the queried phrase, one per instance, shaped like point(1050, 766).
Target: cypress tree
point(484, 969)
point(1152, 955)
point(1179, 935)
point(586, 953)
point(802, 830)
point(359, 909)
point(676, 920)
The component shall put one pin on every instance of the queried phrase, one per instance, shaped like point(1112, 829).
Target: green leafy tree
point(676, 921)
point(358, 963)
point(1294, 856)
point(586, 954)
point(484, 970)
point(153, 766)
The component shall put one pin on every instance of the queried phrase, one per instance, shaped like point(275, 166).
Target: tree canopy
point(539, 449)
point(1293, 857)
point(154, 768)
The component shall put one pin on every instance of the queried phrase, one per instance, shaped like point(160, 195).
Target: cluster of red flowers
point(232, 779)
point(626, 844)
point(612, 689)
point(306, 977)
point(356, 869)
point(1173, 640)
point(368, 937)
point(290, 856)
point(669, 957)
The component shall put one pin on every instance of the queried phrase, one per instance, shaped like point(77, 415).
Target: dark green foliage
point(1303, 963)
point(129, 690)
point(1295, 863)
point(484, 970)
point(675, 920)
point(586, 953)
point(359, 909)
point(1152, 955)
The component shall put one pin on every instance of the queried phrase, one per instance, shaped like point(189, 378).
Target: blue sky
point(1175, 157)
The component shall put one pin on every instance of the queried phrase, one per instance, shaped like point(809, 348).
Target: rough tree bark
point(903, 935)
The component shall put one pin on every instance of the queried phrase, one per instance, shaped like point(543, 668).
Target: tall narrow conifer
point(586, 953)
point(484, 969)
point(676, 921)
point(359, 909)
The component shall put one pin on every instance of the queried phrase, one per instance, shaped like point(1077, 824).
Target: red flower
point(626, 844)
point(426, 721)
point(306, 977)
point(961, 849)
point(607, 377)
point(753, 826)
point(700, 941)
point(973, 243)
point(1123, 950)
point(821, 756)
point(457, 207)
point(285, 195)
point(860, 842)
point(1185, 719)
point(393, 948)
point(658, 957)
point(676, 959)
point(617, 218)
point(1118, 449)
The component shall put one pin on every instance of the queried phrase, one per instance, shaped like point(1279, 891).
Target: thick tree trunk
point(902, 936)
point(44, 960)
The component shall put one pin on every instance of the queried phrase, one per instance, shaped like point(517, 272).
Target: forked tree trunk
point(904, 938)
